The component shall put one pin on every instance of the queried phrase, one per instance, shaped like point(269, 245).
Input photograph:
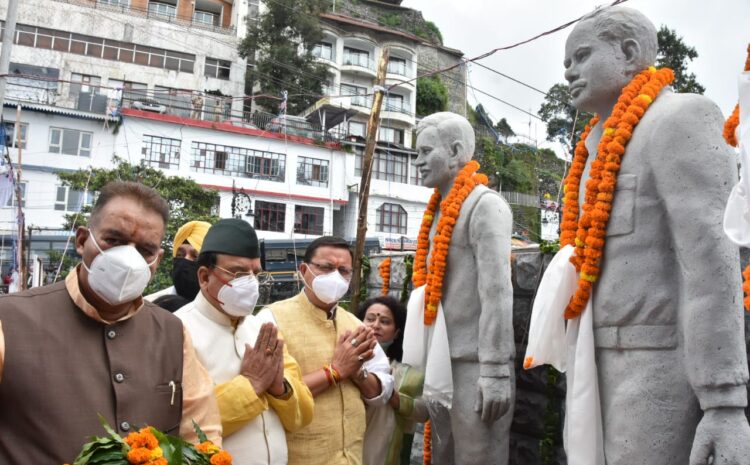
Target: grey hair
point(451, 127)
point(616, 24)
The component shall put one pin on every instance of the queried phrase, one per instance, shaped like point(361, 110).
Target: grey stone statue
point(477, 303)
point(668, 325)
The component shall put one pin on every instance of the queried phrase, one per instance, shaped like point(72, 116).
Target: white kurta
point(220, 349)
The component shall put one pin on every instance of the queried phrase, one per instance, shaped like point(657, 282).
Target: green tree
point(187, 200)
point(558, 112)
point(503, 128)
point(675, 54)
point(432, 95)
point(281, 43)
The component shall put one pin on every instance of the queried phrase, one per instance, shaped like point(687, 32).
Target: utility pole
point(19, 201)
point(364, 185)
point(8, 38)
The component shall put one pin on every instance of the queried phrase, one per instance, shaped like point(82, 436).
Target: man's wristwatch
point(287, 391)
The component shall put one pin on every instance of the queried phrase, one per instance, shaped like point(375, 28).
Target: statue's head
point(445, 143)
point(606, 49)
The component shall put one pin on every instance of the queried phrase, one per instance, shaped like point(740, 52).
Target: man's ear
point(82, 233)
point(457, 148)
point(203, 273)
point(631, 50)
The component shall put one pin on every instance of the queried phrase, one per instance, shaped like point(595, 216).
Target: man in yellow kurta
point(341, 361)
point(258, 384)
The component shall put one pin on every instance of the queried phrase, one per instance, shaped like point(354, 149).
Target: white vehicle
point(149, 104)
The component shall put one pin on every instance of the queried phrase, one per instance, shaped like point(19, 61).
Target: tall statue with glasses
point(460, 324)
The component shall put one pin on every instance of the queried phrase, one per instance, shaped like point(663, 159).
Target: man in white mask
point(341, 361)
point(91, 345)
point(259, 386)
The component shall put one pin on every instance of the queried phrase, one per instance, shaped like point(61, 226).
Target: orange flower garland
point(144, 448)
point(427, 449)
point(466, 180)
point(589, 240)
point(730, 126)
point(385, 274)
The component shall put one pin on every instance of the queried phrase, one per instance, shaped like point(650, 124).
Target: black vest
point(62, 368)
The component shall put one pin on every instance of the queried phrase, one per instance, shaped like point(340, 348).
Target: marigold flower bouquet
point(149, 446)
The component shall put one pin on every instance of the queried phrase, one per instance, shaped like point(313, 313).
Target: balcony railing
point(360, 60)
point(398, 107)
point(125, 8)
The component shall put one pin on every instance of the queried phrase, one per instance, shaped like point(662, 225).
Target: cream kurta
point(337, 431)
point(253, 425)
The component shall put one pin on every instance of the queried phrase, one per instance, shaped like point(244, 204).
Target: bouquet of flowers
point(149, 446)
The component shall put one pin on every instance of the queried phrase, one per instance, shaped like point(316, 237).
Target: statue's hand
point(493, 398)
point(724, 434)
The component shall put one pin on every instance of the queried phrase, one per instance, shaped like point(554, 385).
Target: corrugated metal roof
point(40, 107)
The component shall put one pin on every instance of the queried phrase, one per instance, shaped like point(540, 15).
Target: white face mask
point(329, 288)
point(238, 296)
point(119, 274)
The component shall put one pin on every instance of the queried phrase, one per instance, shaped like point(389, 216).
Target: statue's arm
point(489, 234)
point(694, 170)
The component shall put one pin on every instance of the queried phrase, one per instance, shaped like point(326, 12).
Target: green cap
point(232, 237)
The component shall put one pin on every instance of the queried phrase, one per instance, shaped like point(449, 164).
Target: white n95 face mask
point(119, 274)
point(239, 296)
point(329, 288)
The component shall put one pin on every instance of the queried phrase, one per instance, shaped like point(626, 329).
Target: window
point(161, 152)
point(391, 218)
point(83, 84)
point(308, 220)
point(355, 57)
point(397, 66)
point(131, 91)
point(123, 3)
point(204, 17)
point(269, 216)
point(162, 9)
point(12, 200)
point(71, 200)
point(218, 69)
point(70, 142)
point(415, 177)
point(11, 136)
point(178, 101)
point(357, 129)
point(237, 161)
point(391, 135)
point(312, 172)
point(385, 165)
point(395, 102)
point(323, 50)
point(362, 100)
point(108, 49)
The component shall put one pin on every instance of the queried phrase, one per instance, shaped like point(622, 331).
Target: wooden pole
point(364, 185)
point(19, 199)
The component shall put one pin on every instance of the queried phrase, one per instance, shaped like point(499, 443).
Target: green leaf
point(201, 435)
point(112, 433)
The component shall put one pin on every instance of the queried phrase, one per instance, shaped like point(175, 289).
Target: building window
point(395, 102)
point(108, 49)
point(237, 161)
point(355, 57)
point(397, 66)
point(415, 177)
point(269, 216)
point(70, 142)
point(359, 95)
point(308, 220)
point(162, 9)
point(312, 172)
point(121, 3)
point(391, 218)
point(131, 91)
point(391, 135)
point(204, 17)
point(218, 69)
point(323, 50)
point(177, 101)
point(82, 83)
point(357, 129)
point(11, 136)
point(12, 199)
point(161, 152)
point(71, 200)
point(385, 166)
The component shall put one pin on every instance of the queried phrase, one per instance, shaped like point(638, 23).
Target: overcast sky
point(719, 31)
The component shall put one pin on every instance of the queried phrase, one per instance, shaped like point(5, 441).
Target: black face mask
point(185, 278)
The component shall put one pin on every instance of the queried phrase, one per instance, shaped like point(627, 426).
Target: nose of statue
point(570, 74)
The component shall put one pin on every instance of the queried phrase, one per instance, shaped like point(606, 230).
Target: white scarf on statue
point(737, 213)
point(571, 351)
point(426, 348)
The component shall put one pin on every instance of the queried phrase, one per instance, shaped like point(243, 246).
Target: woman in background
point(390, 428)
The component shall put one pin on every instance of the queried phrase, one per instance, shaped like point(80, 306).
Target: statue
point(655, 269)
point(459, 327)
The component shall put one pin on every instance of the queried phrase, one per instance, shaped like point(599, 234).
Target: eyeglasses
point(326, 268)
point(262, 277)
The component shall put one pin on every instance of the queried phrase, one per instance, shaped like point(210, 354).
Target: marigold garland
point(385, 275)
point(591, 226)
point(466, 180)
point(427, 449)
point(730, 126)
point(746, 287)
